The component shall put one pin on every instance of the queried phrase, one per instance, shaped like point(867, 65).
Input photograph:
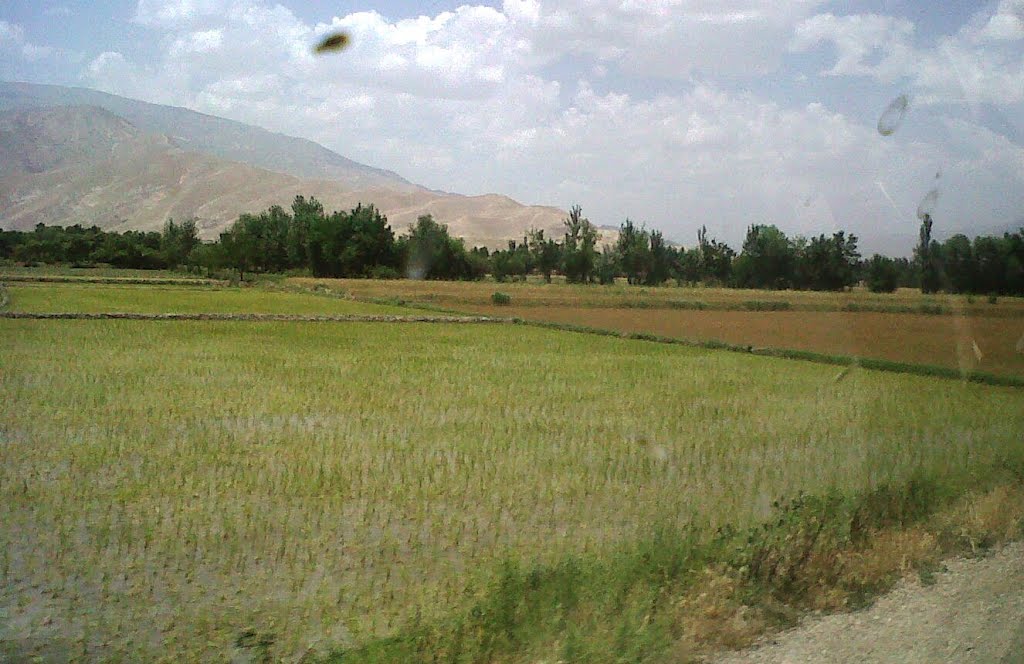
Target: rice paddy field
point(856, 324)
point(167, 488)
point(97, 298)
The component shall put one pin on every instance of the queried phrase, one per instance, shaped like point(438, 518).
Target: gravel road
point(973, 613)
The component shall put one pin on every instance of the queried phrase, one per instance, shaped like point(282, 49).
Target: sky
point(673, 113)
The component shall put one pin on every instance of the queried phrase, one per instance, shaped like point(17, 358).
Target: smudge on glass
point(333, 42)
point(892, 116)
point(927, 204)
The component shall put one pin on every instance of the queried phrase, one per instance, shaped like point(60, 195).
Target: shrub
point(384, 272)
point(501, 299)
point(992, 299)
point(766, 305)
point(929, 308)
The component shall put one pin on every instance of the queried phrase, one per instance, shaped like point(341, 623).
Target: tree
point(827, 263)
point(633, 249)
point(958, 264)
point(304, 214)
point(607, 266)
point(881, 274)
point(351, 244)
point(766, 261)
point(238, 247)
point(177, 241)
point(547, 253)
point(206, 257)
point(686, 266)
point(579, 249)
point(660, 260)
point(275, 223)
point(926, 259)
point(431, 253)
point(715, 258)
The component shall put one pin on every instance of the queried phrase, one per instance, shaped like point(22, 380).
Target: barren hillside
point(85, 165)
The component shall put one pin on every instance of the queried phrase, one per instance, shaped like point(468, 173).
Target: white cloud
point(466, 101)
point(11, 33)
point(858, 39)
point(176, 13)
point(1007, 24)
point(664, 38)
point(14, 43)
point(58, 11)
point(203, 41)
point(976, 65)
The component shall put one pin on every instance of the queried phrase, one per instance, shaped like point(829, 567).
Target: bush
point(766, 305)
point(384, 272)
point(501, 299)
point(992, 299)
point(882, 274)
point(933, 309)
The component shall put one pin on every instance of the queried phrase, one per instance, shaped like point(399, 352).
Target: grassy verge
point(679, 594)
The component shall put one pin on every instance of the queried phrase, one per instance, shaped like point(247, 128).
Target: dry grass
point(715, 614)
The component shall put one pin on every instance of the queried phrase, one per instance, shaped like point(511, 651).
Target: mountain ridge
point(84, 164)
point(263, 148)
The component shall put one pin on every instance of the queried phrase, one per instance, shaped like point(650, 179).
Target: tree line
point(360, 243)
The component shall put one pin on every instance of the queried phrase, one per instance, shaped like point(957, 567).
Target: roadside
point(974, 612)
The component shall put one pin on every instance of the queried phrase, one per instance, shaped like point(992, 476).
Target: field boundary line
point(143, 281)
point(247, 317)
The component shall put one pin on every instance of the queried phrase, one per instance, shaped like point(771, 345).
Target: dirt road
point(973, 613)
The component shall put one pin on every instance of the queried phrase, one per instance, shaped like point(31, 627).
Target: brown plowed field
point(917, 338)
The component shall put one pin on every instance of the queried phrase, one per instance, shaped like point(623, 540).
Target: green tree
point(304, 214)
point(579, 257)
point(881, 274)
point(827, 263)
point(607, 265)
point(686, 266)
point(716, 258)
point(660, 260)
point(767, 259)
point(431, 253)
point(238, 247)
point(634, 252)
point(547, 253)
point(926, 258)
point(177, 241)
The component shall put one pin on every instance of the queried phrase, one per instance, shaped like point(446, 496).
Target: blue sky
point(676, 113)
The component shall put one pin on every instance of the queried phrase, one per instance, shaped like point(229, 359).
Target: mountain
point(34, 142)
point(86, 165)
point(219, 137)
